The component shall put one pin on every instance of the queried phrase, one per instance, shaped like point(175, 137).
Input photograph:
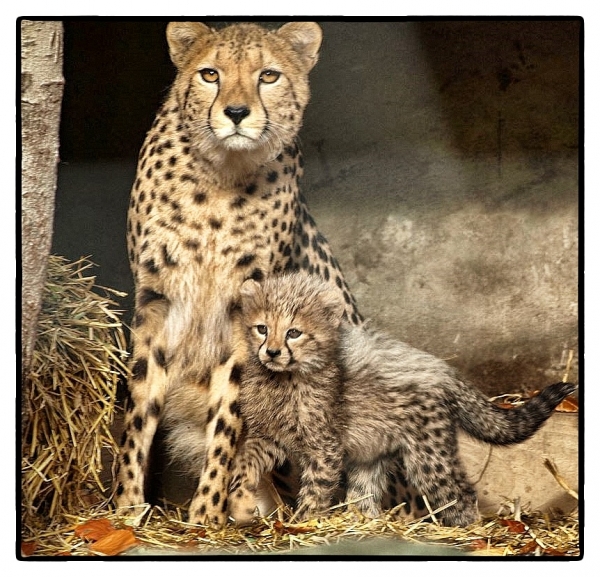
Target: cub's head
point(291, 321)
point(243, 88)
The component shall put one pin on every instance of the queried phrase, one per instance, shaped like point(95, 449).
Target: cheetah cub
point(342, 398)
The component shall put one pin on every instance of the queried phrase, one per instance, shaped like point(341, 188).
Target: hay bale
point(69, 394)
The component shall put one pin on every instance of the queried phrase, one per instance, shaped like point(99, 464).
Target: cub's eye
point(209, 75)
point(293, 334)
point(269, 76)
point(261, 329)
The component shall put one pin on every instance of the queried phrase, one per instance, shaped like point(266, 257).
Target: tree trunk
point(41, 97)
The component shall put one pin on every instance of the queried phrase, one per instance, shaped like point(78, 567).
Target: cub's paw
point(243, 508)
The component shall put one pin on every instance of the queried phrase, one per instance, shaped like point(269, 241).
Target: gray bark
point(41, 97)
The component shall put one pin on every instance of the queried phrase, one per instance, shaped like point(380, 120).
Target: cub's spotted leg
point(321, 477)
point(223, 429)
point(146, 393)
point(366, 485)
point(255, 457)
point(439, 476)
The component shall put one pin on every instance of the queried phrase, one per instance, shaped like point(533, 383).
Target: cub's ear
point(250, 289)
point(333, 304)
point(181, 36)
point(305, 38)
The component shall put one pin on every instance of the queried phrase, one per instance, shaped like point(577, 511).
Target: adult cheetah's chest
point(196, 225)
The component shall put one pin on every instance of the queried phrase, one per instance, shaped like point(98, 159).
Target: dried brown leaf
point(513, 526)
point(115, 542)
point(94, 529)
point(477, 544)
point(284, 529)
point(568, 405)
point(529, 547)
point(28, 547)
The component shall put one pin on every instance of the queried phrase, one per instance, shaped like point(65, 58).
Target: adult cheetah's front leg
point(209, 504)
point(146, 394)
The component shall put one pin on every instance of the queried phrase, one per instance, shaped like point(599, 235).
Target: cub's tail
point(487, 422)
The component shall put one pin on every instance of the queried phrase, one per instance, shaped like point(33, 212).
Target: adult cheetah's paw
point(208, 511)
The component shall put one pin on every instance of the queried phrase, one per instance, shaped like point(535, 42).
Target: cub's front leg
point(322, 468)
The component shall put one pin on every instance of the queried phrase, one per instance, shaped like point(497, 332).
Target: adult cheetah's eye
point(269, 76)
point(261, 329)
point(209, 75)
point(293, 334)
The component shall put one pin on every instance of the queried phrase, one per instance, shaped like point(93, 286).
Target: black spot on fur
point(192, 244)
point(140, 369)
point(257, 275)
point(150, 266)
point(220, 426)
point(169, 260)
point(159, 357)
point(239, 202)
point(215, 224)
point(272, 176)
point(234, 408)
point(138, 422)
point(236, 374)
point(210, 415)
point(154, 409)
point(185, 177)
point(245, 260)
point(147, 295)
point(251, 188)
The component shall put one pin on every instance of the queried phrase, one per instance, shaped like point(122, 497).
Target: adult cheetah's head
point(243, 89)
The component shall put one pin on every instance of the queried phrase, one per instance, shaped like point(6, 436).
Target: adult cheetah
point(215, 202)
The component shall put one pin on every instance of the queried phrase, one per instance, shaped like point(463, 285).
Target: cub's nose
point(236, 113)
point(273, 353)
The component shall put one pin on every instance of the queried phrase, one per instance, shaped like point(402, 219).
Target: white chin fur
point(275, 367)
point(235, 141)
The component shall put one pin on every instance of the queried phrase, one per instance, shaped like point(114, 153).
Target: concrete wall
point(441, 163)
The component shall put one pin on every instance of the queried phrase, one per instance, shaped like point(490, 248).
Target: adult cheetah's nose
point(237, 113)
point(273, 353)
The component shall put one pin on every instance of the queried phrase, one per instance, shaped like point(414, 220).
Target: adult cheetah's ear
point(181, 36)
point(305, 38)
